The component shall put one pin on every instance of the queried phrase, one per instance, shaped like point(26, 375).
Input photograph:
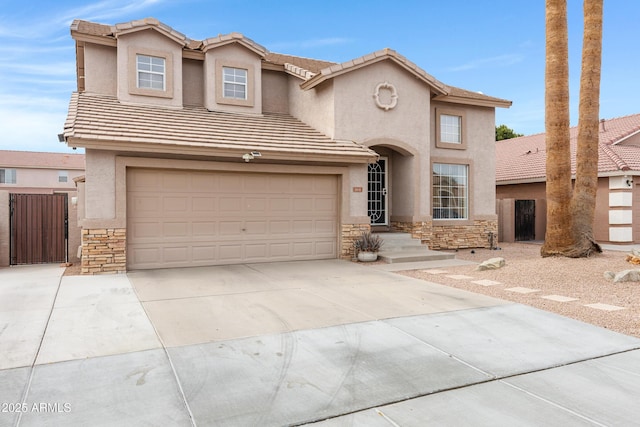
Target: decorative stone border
point(104, 251)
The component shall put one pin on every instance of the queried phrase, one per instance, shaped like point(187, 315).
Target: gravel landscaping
point(582, 279)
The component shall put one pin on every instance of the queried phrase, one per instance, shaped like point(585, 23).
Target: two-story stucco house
point(220, 152)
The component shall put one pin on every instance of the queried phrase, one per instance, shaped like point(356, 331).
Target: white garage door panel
point(184, 218)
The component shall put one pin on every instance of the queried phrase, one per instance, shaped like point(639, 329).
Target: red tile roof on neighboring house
point(523, 159)
point(40, 160)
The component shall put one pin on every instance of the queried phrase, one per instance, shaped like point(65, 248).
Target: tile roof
point(99, 120)
point(312, 71)
point(40, 160)
point(312, 65)
point(222, 40)
point(523, 159)
point(380, 55)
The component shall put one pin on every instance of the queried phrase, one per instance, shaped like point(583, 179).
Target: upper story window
point(450, 129)
point(151, 72)
point(7, 176)
point(234, 82)
point(63, 176)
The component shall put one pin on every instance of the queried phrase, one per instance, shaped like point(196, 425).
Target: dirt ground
point(582, 279)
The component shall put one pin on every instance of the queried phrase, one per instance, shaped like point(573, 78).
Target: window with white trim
point(450, 129)
point(151, 72)
point(63, 176)
point(8, 176)
point(450, 198)
point(234, 82)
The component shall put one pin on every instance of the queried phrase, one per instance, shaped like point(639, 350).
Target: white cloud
point(496, 61)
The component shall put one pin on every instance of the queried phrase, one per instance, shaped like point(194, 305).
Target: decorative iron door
point(377, 186)
point(525, 220)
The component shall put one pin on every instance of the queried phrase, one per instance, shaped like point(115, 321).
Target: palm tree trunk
point(558, 236)
point(583, 203)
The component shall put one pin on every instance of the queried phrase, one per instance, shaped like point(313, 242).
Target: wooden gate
point(525, 220)
point(39, 228)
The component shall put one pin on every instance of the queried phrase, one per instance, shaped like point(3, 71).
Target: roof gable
point(233, 38)
point(335, 70)
point(150, 24)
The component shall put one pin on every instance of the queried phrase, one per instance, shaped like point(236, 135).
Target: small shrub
point(368, 242)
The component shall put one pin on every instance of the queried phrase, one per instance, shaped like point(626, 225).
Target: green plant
point(368, 242)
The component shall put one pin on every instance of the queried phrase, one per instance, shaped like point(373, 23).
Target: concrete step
point(401, 247)
point(413, 255)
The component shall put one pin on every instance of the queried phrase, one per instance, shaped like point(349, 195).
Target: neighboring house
point(520, 183)
point(220, 152)
point(37, 173)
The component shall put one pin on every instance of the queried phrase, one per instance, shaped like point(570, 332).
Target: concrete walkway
point(331, 342)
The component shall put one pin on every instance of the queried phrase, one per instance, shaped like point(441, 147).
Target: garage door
point(187, 218)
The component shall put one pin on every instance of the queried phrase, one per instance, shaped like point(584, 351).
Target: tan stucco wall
point(314, 107)
point(404, 128)
point(193, 82)
point(100, 185)
point(100, 69)
point(157, 43)
point(480, 153)
point(238, 57)
point(275, 92)
point(28, 180)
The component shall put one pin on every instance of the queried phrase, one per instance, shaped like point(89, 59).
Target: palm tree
point(583, 203)
point(570, 214)
point(558, 237)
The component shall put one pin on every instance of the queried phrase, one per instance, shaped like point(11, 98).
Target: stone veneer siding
point(349, 233)
point(463, 236)
point(418, 230)
point(104, 251)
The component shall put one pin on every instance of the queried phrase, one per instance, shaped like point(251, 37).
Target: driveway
point(291, 343)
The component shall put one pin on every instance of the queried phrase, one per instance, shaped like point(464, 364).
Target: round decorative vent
point(389, 97)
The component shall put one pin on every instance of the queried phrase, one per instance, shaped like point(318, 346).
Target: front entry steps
point(401, 247)
point(410, 253)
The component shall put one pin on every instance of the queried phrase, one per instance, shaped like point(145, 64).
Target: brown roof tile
point(98, 117)
point(523, 159)
point(313, 65)
point(91, 28)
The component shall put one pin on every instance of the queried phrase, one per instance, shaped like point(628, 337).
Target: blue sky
point(496, 47)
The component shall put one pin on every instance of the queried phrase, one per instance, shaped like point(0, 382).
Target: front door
point(377, 207)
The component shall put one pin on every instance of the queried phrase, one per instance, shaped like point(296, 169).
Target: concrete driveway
point(292, 343)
